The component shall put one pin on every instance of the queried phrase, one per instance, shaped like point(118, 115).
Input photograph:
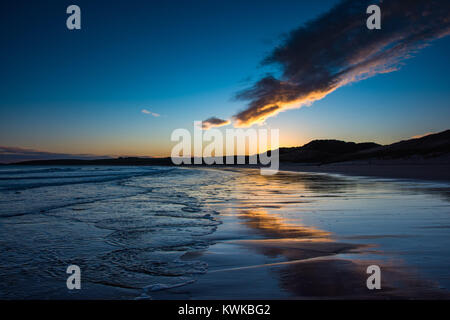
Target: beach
point(423, 169)
point(199, 233)
point(325, 253)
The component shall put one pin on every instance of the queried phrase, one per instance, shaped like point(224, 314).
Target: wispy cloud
point(154, 114)
point(14, 154)
point(214, 122)
point(337, 49)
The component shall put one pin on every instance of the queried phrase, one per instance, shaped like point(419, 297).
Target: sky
point(137, 70)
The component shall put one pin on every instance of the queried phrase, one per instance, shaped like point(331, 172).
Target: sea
point(135, 232)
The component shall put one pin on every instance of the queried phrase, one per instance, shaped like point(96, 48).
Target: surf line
point(272, 264)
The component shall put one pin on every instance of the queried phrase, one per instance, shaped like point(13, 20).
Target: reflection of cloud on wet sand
point(314, 269)
point(316, 264)
point(292, 241)
point(273, 226)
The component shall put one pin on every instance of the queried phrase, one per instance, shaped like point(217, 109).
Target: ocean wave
point(8, 171)
point(83, 179)
point(131, 231)
point(165, 286)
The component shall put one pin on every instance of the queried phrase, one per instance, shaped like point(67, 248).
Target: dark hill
point(318, 151)
point(430, 146)
point(314, 152)
point(328, 151)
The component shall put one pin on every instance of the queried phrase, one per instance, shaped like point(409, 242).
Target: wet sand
point(401, 169)
point(262, 253)
point(297, 269)
point(224, 234)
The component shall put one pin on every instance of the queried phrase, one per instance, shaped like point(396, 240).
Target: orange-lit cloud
point(337, 49)
point(214, 122)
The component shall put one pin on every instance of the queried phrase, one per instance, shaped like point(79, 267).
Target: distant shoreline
point(425, 158)
point(394, 169)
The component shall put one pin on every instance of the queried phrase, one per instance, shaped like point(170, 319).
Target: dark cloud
point(214, 122)
point(12, 154)
point(337, 48)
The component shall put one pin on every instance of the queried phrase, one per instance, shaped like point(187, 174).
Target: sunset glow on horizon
point(110, 90)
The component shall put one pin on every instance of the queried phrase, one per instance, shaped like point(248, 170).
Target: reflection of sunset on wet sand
point(313, 267)
point(313, 236)
point(272, 226)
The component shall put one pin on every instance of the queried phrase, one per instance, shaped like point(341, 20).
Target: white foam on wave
point(165, 286)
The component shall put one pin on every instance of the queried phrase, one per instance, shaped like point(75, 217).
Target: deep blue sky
point(83, 91)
